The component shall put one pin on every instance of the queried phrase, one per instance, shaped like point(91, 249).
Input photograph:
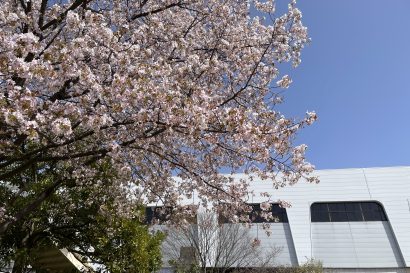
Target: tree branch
point(62, 16)
point(143, 14)
point(42, 12)
point(31, 207)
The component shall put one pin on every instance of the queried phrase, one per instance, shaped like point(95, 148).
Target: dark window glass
point(347, 212)
point(382, 215)
point(371, 215)
point(160, 214)
point(255, 214)
point(149, 215)
point(337, 207)
point(320, 216)
point(352, 206)
point(369, 206)
point(354, 216)
point(319, 207)
point(338, 217)
point(373, 212)
point(278, 213)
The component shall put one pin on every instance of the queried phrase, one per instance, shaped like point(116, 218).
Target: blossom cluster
point(163, 89)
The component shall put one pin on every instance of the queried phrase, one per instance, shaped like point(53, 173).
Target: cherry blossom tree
point(168, 92)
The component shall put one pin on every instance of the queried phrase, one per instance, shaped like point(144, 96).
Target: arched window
point(347, 212)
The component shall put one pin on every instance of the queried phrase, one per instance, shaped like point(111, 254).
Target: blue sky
point(355, 75)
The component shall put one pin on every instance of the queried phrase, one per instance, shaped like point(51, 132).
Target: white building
point(354, 220)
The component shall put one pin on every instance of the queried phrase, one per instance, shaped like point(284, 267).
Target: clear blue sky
point(355, 74)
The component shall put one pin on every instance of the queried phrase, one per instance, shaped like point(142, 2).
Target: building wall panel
point(389, 186)
point(344, 246)
point(355, 244)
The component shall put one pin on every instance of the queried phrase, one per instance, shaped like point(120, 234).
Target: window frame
point(153, 215)
point(281, 215)
point(365, 211)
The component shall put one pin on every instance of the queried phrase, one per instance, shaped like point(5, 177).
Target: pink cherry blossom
point(169, 92)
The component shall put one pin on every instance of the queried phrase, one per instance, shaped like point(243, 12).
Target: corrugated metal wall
point(355, 245)
point(280, 239)
point(364, 245)
point(389, 186)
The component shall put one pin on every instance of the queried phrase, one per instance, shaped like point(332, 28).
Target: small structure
point(52, 259)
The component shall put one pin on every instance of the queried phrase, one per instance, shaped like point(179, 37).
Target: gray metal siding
point(280, 238)
point(389, 186)
point(355, 244)
point(365, 245)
